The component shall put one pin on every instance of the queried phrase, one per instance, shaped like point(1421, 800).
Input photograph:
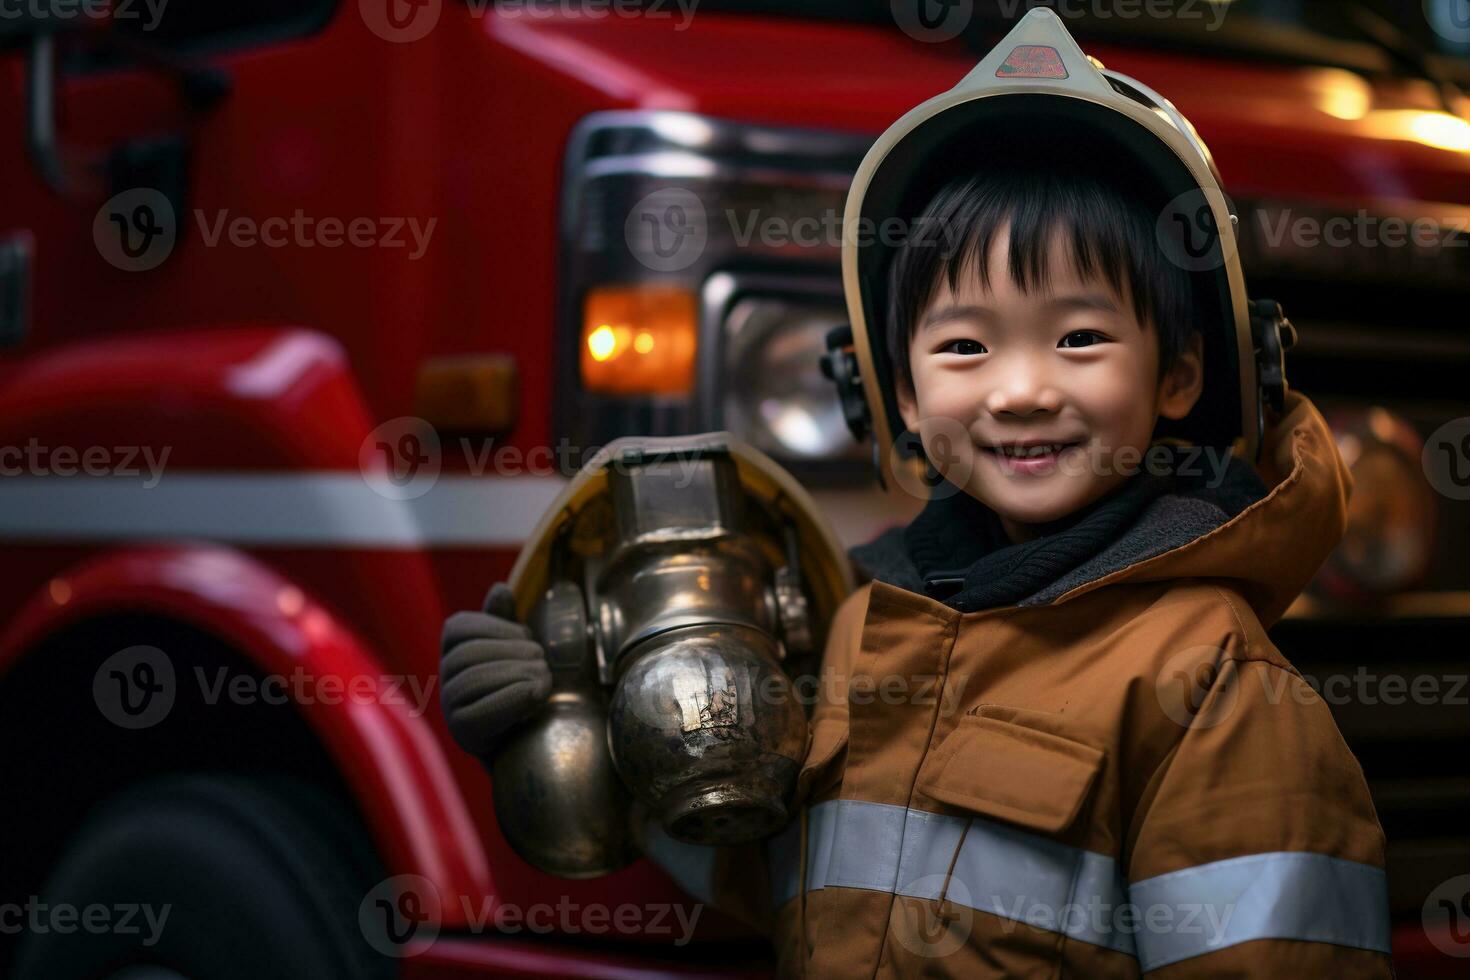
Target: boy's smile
point(1038, 403)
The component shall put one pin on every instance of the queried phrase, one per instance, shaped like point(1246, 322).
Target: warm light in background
point(1437, 129)
point(639, 340)
point(1341, 93)
point(1345, 95)
point(601, 342)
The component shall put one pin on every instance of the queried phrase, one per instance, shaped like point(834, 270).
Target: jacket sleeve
point(744, 881)
point(1255, 850)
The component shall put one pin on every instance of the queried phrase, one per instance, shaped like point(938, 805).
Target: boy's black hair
point(1112, 232)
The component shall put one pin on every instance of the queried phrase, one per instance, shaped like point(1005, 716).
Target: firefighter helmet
point(1037, 92)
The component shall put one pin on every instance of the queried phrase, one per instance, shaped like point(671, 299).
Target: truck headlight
point(699, 273)
point(772, 337)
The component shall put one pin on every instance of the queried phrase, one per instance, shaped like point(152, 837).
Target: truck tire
point(259, 878)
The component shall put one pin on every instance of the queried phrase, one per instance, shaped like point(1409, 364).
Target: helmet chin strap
point(1272, 335)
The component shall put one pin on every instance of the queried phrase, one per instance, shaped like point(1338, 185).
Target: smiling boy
point(1040, 375)
point(1123, 775)
point(1053, 737)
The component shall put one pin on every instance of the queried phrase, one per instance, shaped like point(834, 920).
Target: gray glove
point(492, 675)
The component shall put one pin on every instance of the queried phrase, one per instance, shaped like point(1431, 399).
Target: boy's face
point(1071, 366)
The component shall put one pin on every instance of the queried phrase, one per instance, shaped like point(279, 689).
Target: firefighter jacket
point(1117, 776)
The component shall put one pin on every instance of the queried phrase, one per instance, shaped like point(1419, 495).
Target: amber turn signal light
point(638, 340)
point(468, 392)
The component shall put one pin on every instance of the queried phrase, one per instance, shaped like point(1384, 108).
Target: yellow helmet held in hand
point(1037, 93)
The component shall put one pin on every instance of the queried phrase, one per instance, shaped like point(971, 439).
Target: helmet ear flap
point(840, 366)
point(1272, 335)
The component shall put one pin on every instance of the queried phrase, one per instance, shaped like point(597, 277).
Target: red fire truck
point(307, 308)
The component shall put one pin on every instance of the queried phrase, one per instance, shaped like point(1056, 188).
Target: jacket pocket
point(826, 758)
point(995, 765)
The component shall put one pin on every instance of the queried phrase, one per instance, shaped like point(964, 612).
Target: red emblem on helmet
point(1032, 61)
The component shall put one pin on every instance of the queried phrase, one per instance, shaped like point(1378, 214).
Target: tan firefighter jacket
point(1130, 779)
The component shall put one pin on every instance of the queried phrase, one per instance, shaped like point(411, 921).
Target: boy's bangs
point(1112, 239)
point(1098, 244)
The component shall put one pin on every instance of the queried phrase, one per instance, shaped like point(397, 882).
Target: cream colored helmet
point(1038, 81)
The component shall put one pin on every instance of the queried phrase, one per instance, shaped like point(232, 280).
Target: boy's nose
point(1023, 393)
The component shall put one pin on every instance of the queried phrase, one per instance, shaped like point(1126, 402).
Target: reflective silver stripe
point(1007, 872)
point(1280, 895)
point(691, 865)
point(1024, 877)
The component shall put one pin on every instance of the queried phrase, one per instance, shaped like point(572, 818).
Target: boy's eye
point(1086, 338)
point(963, 347)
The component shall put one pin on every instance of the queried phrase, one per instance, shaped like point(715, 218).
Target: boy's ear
point(908, 404)
point(1185, 380)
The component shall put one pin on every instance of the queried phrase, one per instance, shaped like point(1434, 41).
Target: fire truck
point(307, 310)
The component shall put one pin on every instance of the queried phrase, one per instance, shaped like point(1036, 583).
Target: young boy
point(1119, 773)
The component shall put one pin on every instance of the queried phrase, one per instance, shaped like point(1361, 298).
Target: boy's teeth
point(1055, 447)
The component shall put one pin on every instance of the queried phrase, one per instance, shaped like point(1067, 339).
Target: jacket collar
point(1267, 527)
